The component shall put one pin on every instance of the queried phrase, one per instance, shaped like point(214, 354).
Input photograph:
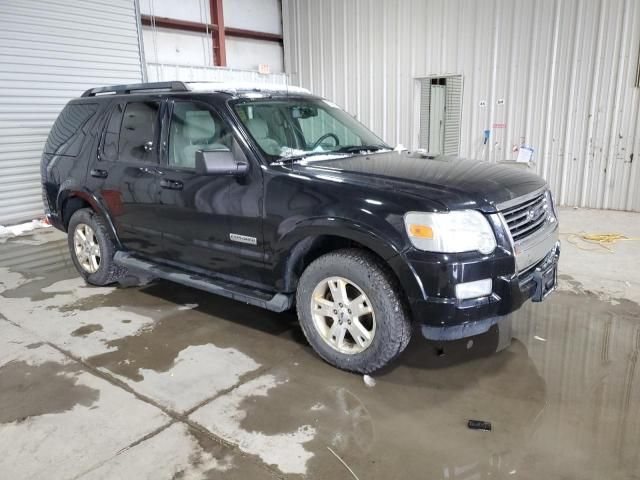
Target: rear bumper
point(444, 317)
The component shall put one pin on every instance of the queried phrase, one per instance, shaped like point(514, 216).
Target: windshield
point(301, 127)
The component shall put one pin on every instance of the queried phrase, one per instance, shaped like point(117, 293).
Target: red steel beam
point(217, 37)
point(240, 32)
point(174, 24)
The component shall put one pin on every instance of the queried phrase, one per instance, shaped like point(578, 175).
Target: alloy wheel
point(343, 315)
point(86, 248)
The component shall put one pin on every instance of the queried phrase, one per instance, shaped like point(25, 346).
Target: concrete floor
point(168, 382)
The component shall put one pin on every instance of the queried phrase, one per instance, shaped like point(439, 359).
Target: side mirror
point(219, 162)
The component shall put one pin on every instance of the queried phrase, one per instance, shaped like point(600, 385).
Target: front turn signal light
point(420, 231)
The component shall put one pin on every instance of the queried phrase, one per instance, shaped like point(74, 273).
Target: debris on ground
point(343, 462)
point(601, 241)
point(479, 425)
point(16, 230)
point(369, 381)
point(188, 306)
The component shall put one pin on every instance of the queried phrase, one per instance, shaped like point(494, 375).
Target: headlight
point(451, 232)
point(551, 203)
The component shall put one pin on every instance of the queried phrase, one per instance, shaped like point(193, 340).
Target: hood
point(454, 182)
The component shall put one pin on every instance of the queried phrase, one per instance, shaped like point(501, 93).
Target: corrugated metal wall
point(49, 53)
point(558, 75)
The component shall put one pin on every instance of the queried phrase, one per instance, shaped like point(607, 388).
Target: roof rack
point(137, 87)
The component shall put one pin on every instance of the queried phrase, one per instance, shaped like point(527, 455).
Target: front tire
point(92, 249)
point(352, 312)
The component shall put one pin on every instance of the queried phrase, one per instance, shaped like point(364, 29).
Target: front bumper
point(444, 317)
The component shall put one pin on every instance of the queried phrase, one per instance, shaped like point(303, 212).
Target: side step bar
point(276, 303)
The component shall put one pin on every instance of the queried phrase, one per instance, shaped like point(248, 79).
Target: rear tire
point(92, 249)
point(367, 330)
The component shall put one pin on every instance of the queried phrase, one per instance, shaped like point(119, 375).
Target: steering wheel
point(326, 135)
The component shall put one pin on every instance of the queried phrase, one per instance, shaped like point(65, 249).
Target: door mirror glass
point(219, 162)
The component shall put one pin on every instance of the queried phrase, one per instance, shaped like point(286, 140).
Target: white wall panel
point(191, 73)
point(565, 69)
point(171, 46)
point(51, 52)
point(163, 45)
point(247, 54)
point(191, 10)
point(258, 15)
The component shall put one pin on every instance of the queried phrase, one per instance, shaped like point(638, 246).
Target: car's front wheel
point(352, 312)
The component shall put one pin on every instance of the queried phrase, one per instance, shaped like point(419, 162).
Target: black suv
point(276, 197)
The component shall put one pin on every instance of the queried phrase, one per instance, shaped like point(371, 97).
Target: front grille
point(528, 217)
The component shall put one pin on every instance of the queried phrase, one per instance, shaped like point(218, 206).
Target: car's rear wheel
point(92, 248)
point(352, 312)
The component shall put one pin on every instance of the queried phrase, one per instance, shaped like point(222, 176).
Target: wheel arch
point(311, 243)
point(70, 201)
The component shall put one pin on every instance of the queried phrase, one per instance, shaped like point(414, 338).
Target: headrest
point(258, 128)
point(198, 124)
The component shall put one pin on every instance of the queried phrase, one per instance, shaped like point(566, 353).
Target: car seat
point(260, 131)
point(199, 132)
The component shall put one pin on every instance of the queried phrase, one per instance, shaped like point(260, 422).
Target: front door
point(205, 220)
point(124, 173)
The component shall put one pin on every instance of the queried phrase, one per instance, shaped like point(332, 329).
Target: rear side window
point(138, 132)
point(112, 134)
point(67, 134)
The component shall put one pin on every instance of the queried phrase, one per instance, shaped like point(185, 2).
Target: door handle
point(99, 173)
point(148, 146)
point(171, 184)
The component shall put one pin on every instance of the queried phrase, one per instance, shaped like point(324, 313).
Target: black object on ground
point(479, 425)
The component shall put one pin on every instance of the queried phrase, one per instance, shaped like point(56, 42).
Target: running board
point(276, 303)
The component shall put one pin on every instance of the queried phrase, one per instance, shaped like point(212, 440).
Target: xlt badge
point(243, 239)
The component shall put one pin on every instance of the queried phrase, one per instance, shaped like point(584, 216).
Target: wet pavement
point(164, 381)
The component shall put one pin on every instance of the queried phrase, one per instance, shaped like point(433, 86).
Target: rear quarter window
point(67, 134)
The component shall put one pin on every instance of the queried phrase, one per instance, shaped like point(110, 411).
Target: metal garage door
point(49, 53)
point(453, 114)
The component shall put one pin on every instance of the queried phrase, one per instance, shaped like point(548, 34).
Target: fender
point(96, 204)
point(298, 242)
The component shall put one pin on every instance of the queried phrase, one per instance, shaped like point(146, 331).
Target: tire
point(388, 324)
point(107, 271)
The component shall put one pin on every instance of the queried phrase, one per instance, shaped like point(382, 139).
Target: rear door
point(125, 172)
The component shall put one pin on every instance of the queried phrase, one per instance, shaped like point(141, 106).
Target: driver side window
point(194, 127)
point(314, 127)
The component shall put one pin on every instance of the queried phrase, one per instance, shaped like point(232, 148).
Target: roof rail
point(137, 87)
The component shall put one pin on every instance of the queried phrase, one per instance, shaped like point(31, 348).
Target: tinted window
point(194, 127)
point(66, 135)
point(112, 134)
point(138, 132)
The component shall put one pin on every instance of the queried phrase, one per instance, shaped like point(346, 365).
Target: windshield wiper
point(361, 148)
point(293, 158)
